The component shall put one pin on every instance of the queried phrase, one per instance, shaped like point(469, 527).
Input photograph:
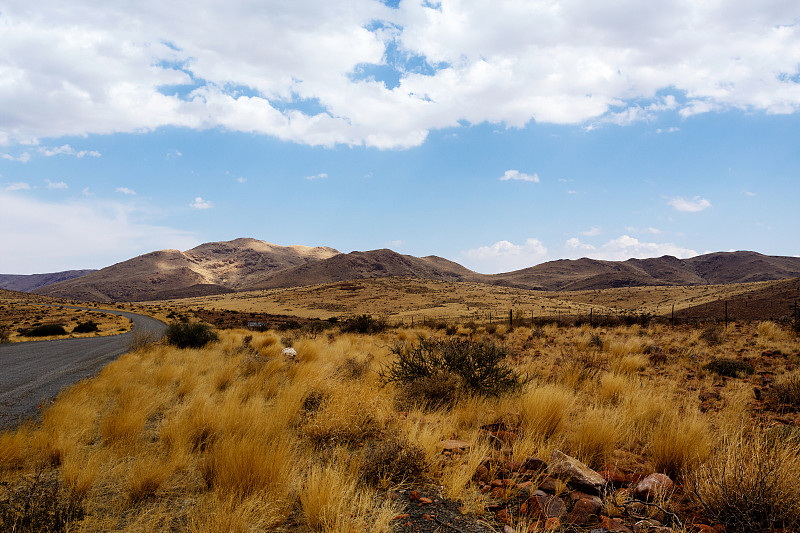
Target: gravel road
point(34, 372)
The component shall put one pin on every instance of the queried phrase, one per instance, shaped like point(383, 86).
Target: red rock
point(543, 505)
point(401, 516)
point(506, 436)
point(413, 495)
point(613, 475)
point(481, 474)
point(427, 517)
point(550, 484)
point(502, 517)
point(614, 524)
point(514, 466)
point(425, 501)
point(535, 464)
point(485, 489)
point(583, 510)
point(498, 493)
point(552, 523)
point(497, 483)
point(654, 486)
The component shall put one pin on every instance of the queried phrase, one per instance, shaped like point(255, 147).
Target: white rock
point(291, 353)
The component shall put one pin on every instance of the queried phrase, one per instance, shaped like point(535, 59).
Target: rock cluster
point(565, 491)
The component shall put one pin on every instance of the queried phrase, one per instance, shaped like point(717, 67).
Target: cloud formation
point(40, 236)
point(694, 205)
point(519, 176)
point(199, 203)
point(622, 248)
point(362, 73)
point(505, 256)
point(125, 190)
point(56, 184)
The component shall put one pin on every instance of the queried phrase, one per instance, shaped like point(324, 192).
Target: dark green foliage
point(392, 460)
point(37, 505)
point(729, 367)
point(475, 367)
point(190, 334)
point(45, 330)
point(363, 324)
point(85, 327)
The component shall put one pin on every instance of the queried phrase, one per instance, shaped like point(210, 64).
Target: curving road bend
point(34, 372)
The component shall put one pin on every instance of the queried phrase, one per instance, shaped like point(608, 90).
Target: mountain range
point(250, 264)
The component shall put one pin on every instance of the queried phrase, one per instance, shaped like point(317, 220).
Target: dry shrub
point(750, 484)
point(582, 367)
point(630, 364)
point(727, 367)
point(438, 390)
point(326, 496)
point(544, 408)
point(244, 466)
point(37, 504)
point(354, 368)
point(770, 331)
point(679, 442)
point(392, 460)
point(787, 391)
point(612, 387)
point(713, 335)
point(14, 448)
point(142, 340)
point(122, 426)
point(193, 426)
point(146, 476)
point(594, 435)
point(223, 513)
point(347, 415)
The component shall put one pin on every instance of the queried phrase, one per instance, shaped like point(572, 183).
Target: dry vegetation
point(237, 437)
point(408, 301)
point(16, 317)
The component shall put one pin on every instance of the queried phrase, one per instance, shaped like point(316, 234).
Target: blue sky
point(496, 134)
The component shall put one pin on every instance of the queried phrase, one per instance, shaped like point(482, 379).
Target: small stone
point(454, 445)
point(535, 464)
point(514, 466)
point(498, 493)
point(413, 495)
point(614, 524)
point(289, 353)
point(543, 505)
point(401, 516)
point(654, 486)
point(580, 474)
point(550, 484)
point(425, 501)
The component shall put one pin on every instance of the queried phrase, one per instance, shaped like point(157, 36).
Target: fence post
point(510, 318)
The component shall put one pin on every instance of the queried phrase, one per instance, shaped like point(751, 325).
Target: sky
point(498, 134)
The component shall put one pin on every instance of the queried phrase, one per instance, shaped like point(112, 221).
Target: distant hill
point(210, 268)
point(29, 282)
point(709, 269)
point(250, 264)
point(361, 265)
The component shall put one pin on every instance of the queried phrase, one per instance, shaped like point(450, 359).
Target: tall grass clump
point(679, 442)
point(750, 484)
point(544, 409)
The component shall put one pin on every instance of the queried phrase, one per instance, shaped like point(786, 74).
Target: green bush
point(475, 367)
point(729, 367)
point(45, 330)
point(86, 327)
point(190, 334)
point(363, 324)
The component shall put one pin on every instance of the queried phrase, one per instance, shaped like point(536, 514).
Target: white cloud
point(138, 66)
point(174, 153)
point(44, 236)
point(199, 203)
point(68, 150)
point(622, 248)
point(56, 184)
point(17, 186)
point(241, 180)
point(694, 205)
point(651, 230)
point(749, 193)
point(591, 232)
point(125, 190)
point(673, 129)
point(320, 176)
point(519, 176)
point(24, 157)
point(505, 256)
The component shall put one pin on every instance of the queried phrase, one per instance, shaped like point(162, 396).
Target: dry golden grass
point(235, 437)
